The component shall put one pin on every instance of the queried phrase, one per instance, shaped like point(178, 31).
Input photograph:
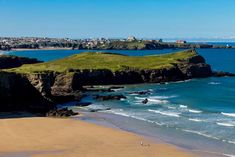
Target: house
point(181, 42)
point(131, 38)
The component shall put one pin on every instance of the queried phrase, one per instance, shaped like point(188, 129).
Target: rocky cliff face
point(17, 93)
point(39, 92)
point(194, 67)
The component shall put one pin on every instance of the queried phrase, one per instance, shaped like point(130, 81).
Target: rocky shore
point(40, 91)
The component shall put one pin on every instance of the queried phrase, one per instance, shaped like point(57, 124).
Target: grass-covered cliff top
point(114, 62)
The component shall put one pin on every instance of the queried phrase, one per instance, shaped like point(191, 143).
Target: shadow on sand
point(8, 115)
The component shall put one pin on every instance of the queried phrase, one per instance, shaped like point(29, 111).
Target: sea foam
point(194, 111)
point(228, 114)
point(152, 100)
point(200, 133)
point(229, 155)
point(162, 97)
point(226, 124)
point(183, 106)
point(196, 120)
point(171, 114)
point(214, 83)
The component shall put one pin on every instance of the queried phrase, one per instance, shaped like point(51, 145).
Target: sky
point(118, 18)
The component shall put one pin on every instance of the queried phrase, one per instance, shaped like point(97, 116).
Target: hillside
point(109, 61)
point(38, 87)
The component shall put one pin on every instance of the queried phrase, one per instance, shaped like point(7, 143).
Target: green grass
point(113, 62)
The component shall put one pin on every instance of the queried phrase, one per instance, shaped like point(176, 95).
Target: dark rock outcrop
point(97, 110)
point(109, 97)
point(141, 92)
point(64, 112)
point(7, 61)
point(223, 74)
point(195, 67)
point(17, 93)
point(145, 101)
point(83, 104)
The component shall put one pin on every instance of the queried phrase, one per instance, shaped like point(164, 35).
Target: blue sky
point(118, 18)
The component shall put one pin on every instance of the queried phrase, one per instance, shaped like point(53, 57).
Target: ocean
point(197, 115)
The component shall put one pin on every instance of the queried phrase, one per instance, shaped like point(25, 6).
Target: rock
point(98, 90)
point(97, 110)
point(18, 94)
point(145, 101)
point(83, 104)
point(192, 70)
point(110, 97)
point(64, 112)
point(116, 87)
point(141, 92)
point(108, 89)
point(222, 74)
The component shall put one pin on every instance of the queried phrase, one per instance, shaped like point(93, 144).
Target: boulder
point(64, 112)
point(141, 92)
point(223, 74)
point(83, 104)
point(109, 97)
point(145, 101)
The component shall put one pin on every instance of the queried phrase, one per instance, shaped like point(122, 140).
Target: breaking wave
point(171, 114)
point(226, 124)
point(194, 111)
point(228, 114)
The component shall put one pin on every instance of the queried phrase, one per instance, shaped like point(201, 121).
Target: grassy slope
point(113, 62)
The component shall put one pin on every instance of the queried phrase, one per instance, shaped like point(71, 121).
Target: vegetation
point(127, 45)
point(113, 62)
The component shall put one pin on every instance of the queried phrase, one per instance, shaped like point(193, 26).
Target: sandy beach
point(50, 137)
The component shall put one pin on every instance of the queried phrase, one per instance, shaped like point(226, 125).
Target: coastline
point(185, 141)
point(46, 48)
point(48, 151)
point(2, 52)
point(68, 137)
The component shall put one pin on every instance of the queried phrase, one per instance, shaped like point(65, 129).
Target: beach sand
point(51, 137)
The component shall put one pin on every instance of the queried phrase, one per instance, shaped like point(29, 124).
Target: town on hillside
point(130, 43)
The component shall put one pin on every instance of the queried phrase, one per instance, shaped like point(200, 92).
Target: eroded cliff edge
point(39, 87)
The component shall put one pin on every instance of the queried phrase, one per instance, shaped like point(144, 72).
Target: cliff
point(39, 86)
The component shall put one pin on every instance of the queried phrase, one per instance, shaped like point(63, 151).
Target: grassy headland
point(113, 62)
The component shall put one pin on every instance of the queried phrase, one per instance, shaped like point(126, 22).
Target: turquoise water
point(202, 108)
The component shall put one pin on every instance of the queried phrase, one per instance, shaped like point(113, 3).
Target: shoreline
point(46, 48)
point(68, 137)
point(157, 135)
point(70, 48)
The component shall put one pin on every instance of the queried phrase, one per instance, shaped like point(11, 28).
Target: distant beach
point(45, 48)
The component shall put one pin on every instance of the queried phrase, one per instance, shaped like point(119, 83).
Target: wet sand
point(50, 137)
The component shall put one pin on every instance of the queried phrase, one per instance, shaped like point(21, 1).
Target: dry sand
point(49, 137)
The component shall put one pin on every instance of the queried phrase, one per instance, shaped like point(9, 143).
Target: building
point(131, 38)
point(181, 42)
point(159, 40)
